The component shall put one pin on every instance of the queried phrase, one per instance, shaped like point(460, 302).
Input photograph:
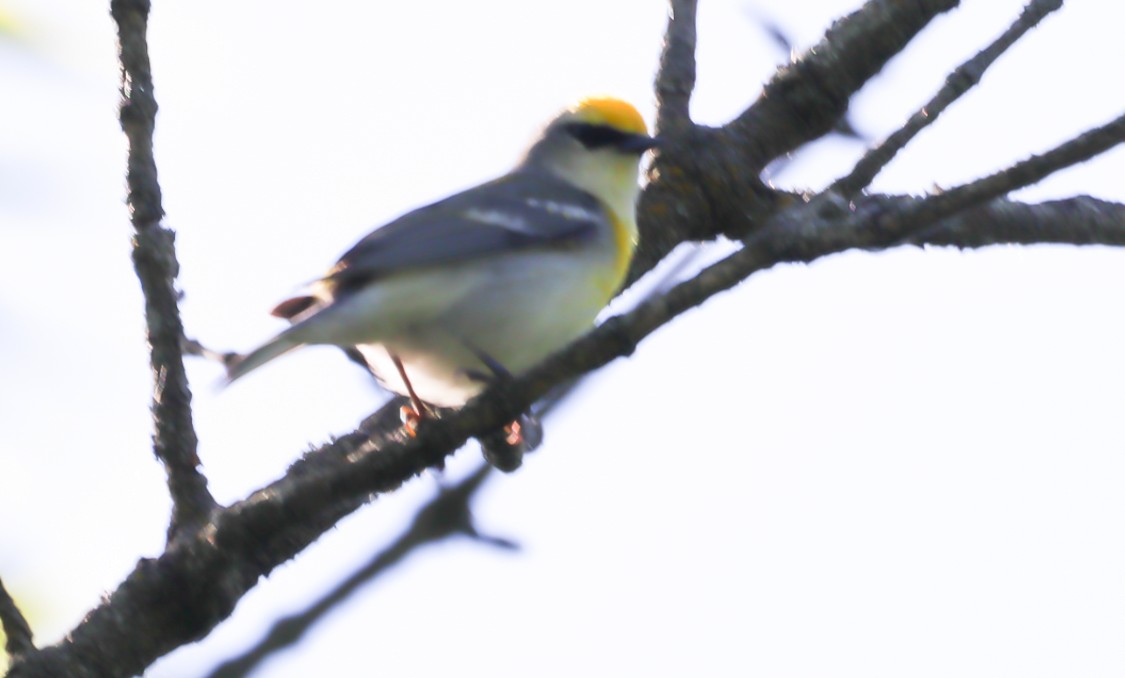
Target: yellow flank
point(612, 112)
point(624, 242)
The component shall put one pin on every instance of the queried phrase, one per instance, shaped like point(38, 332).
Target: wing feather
point(516, 212)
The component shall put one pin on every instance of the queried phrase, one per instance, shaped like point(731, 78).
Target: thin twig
point(15, 626)
point(154, 258)
point(961, 80)
point(675, 79)
point(1026, 172)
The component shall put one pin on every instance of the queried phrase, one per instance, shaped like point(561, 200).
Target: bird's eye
point(597, 136)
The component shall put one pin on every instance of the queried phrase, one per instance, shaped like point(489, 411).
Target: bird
point(484, 284)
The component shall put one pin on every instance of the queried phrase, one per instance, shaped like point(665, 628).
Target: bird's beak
point(639, 143)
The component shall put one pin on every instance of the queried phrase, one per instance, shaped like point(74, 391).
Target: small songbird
point(490, 281)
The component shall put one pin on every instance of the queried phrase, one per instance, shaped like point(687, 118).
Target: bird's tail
point(276, 347)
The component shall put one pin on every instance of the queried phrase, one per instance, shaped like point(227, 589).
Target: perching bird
point(489, 281)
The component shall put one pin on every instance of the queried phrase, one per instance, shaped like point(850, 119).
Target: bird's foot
point(412, 417)
point(504, 449)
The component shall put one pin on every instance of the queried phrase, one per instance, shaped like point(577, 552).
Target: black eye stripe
point(597, 136)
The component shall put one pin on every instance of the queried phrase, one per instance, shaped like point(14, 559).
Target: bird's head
point(595, 145)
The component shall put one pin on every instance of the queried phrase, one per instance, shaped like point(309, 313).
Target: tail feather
point(274, 348)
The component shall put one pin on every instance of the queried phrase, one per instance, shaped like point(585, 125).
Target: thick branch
point(15, 626)
point(154, 258)
point(960, 81)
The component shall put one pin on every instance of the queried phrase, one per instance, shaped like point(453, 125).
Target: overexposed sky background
point(904, 463)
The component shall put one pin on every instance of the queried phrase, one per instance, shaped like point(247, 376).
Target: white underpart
point(515, 308)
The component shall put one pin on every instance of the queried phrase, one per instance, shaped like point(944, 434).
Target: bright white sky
point(905, 463)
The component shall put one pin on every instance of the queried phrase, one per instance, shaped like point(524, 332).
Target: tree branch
point(1026, 172)
point(699, 169)
point(827, 224)
point(960, 81)
point(15, 626)
point(154, 258)
point(808, 98)
point(1081, 220)
point(675, 80)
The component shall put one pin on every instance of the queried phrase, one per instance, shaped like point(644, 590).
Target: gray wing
point(518, 211)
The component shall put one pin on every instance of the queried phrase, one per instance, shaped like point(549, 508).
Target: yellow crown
point(610, 111)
